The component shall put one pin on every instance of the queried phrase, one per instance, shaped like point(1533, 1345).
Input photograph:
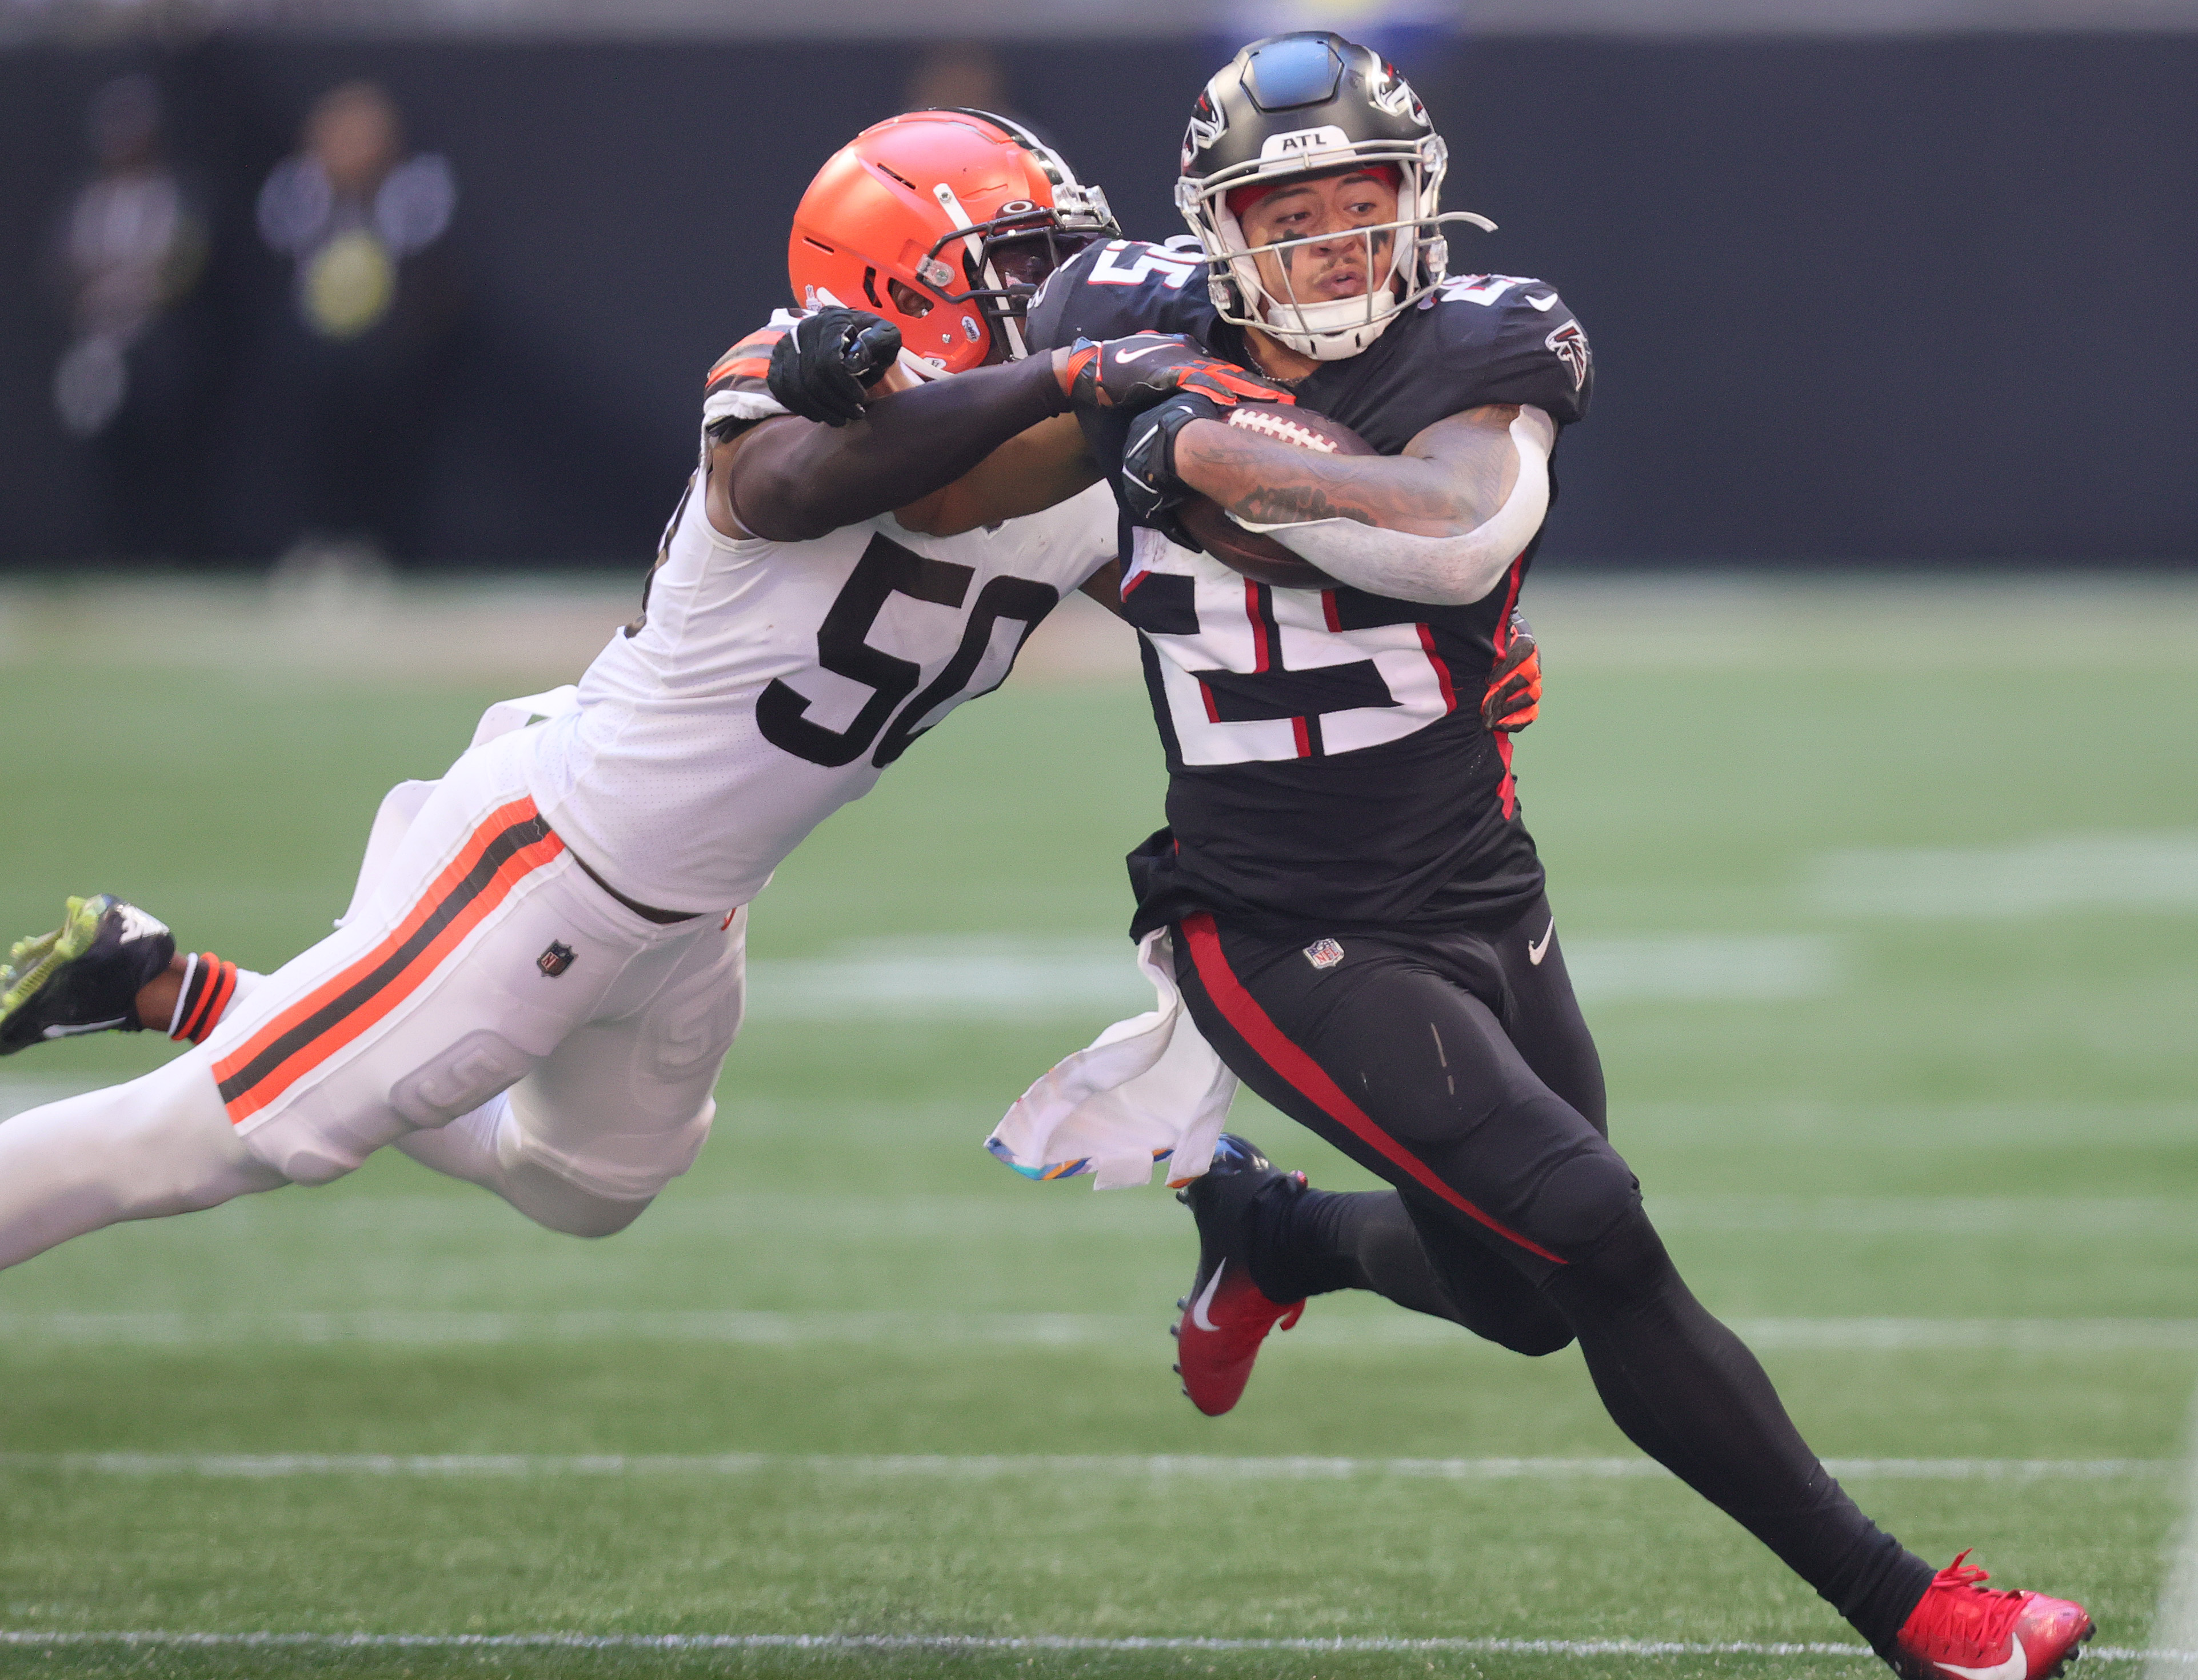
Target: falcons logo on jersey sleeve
point(1570, 344)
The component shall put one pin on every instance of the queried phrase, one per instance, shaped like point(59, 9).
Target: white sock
point(156, 1146)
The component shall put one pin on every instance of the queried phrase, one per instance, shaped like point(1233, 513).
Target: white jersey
point(768, 683)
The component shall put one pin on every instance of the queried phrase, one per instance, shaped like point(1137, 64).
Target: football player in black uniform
point(1358, 914)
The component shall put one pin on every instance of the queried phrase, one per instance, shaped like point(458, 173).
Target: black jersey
point(1327, 762)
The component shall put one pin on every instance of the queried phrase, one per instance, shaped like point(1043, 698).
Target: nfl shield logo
point(1323, 953)
point(554, 960)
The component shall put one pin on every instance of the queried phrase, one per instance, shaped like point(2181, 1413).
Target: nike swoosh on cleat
point(83, 1027)
point(1537, 951)
point(1206, 1298)
point(1543, 304)
point(2014, 1668)
point(136, 924)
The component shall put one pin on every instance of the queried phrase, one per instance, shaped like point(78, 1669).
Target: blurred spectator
point(132, 383)
point(342, 388)
point(964, 73)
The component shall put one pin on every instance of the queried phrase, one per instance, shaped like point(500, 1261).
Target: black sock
point(1308, 1242)
point(1313, 1242)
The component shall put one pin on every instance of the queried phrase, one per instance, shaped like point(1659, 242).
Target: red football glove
point(1148, 368)
point(1514, 699)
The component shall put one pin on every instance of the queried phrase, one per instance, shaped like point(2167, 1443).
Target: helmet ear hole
point(908, 301)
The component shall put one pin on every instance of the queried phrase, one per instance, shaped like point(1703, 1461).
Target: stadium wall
point(1881, 301)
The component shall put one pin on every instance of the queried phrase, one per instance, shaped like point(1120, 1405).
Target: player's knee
point(1628, 1268)
point(1586, 1197)
point(555, 1203)
point(597, 1219)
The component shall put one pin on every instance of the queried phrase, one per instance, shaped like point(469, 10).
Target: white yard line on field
point(2175, 1625)
point(991, 1466)
point(983, 976)
point(945, 1642)
point(2049, 874)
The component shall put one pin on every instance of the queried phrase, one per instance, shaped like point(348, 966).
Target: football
point(1262, 558)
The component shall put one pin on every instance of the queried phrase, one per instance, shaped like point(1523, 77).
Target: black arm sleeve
point(795, 479)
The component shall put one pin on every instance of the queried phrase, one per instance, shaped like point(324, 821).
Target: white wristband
point(183, 994)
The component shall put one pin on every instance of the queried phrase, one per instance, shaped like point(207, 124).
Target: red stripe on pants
point(1243, 1012)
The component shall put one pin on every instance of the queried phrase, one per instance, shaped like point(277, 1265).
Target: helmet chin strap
point(1334, 329)
point(1330, 331)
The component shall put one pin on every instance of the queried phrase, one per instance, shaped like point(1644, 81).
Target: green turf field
point(1883, 900)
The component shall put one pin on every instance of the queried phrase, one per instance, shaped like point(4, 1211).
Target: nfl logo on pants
point(1323, 953)
point(554, 960)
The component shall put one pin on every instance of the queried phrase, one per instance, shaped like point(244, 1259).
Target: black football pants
point(1459, 1067)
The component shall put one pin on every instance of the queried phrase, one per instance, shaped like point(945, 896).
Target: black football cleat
point(1227, 1315)
point(83, 977)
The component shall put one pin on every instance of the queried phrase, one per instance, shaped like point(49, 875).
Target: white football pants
point(484, 1006)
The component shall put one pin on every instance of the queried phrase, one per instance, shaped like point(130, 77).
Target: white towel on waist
point(1147, 1088)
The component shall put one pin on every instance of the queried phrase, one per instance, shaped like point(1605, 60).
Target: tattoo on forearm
point(1296, 504)
point(1451, 480)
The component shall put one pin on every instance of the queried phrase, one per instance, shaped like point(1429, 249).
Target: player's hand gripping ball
point(1200, 522)
point(824, 368)
point(1135, 372)
point(1514, 699)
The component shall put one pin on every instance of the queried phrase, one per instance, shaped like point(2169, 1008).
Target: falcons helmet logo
point(1207, 125)
point(1394, 95)
point(1570, 347)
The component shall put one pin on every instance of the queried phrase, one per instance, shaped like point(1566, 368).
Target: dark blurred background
point(1880, 283)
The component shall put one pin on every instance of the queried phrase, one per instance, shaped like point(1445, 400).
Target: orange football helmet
point(946, 222)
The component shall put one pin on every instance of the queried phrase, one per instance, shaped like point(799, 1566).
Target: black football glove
point(1148, 368)
point(1149, 489)
point(824, 366)
point(1514, 699)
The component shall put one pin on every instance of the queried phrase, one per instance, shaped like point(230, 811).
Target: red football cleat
point(1963, 1630)
point(1226, 1315)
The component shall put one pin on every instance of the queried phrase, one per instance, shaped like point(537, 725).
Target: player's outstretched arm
point(790, 479)
point(947, 456)
point(1029, 472)
point(1438, 524)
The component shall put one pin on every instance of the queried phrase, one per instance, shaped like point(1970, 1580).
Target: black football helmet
point(1313, 103)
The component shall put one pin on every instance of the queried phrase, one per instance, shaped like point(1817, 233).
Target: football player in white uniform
point(541, 969)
